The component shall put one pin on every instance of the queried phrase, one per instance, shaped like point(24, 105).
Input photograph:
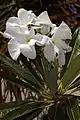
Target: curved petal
point(62, 32)
point(12, 21)
point(28, 51)
point(43, 18)
point(10, 33)
point(61, 58)
point(23, 16)
point(7, 35)
point(32, 42)
point(32, 15)
point(12, 26)
point(31, 33)
point(21, 39)
point(63, 45)
point(50, 51)
point(45, 29)
point(13, 48)
point(41, 39)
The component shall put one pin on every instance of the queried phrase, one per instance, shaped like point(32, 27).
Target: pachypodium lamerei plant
point(41, 46)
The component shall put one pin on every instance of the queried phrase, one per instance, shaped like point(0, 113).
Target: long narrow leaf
point(20, 82)
point(71, 73)
point(23, 73)
point(32, 115)
point(73, 110)
point(50, 75)
point(16, 68)
point(15, 104)
point(76, 48)
point(26, 109)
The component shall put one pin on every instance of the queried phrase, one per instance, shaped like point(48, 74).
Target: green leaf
point(76, 83)
point(25, 109)
point(17, 69)
point(73, 110)
point(76, 48)
point(34, 114)
point(18, 81)
point(71, 73)
point(21, 72)
point(15, 104)
point(50, 75)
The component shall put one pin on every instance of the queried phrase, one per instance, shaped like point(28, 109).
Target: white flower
point(21, 22)
point(44, 20)
point(50, 51)
point(24, 43)
point(60, 34)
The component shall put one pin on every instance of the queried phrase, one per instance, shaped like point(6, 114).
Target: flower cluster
point(27, 30)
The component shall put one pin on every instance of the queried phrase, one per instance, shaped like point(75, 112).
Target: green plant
point(55, 88)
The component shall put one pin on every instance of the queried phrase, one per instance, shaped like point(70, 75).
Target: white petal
point(12, 26)
point(12, 21)
point(10, 33)
point(43, 18)
point(41, 39)
point(45, 29)
point(62, 32)
point(63, 45)
point(52, 30)
point(61, 58)
point(13, 48)
point(31, 33)
point(28, 51)
point(32, 15)
point(7, 35)
point(21, 39)
point(32, 42)
point(50, 51)
point(23, 16)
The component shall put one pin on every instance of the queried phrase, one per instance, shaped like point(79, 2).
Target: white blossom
point(44, 21)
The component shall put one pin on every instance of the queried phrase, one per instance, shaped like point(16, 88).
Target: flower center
point(54, 41)
point(27, 39)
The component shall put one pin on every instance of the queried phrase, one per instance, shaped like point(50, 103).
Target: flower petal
point(13, 48)
point(12, 21)
point(28, 51)
point(50, 51)
point(62, 45)
point(61, 58)
point(23, 16)
point(10, 33)
point(7, 35)
point(62, 32)
point(45, 29)
point(41, 39)
point(43, 18)
point(13, 27)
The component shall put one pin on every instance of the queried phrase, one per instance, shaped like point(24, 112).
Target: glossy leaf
point(50, 75)
point(73, 110)
point(76, 48)
point(19, 82)
point(76, 83)
point(16, 69)
point(15, 104)
point(32, 115)
point(26, 109)
point(71, 73)
point(21, 72)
